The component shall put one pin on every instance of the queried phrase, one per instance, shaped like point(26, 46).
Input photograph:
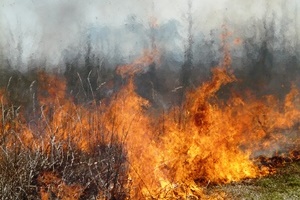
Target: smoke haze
point(45, 30)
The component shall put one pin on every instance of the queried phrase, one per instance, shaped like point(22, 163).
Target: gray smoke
point(43, 30)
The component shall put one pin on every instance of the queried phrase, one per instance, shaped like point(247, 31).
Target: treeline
point(265, 57)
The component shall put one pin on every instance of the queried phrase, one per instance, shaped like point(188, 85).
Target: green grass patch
point(284, 184)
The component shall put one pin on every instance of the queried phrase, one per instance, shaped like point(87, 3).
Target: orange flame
point(204, 141)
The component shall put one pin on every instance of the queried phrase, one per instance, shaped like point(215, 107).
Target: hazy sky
point(47, 27)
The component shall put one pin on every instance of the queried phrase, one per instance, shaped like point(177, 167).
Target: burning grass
point(63, 174)
point(115, 149)
point(39, 162)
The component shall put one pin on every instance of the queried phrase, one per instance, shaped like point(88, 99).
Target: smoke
point(60, 25)
point(263, 39)
point(44, 30)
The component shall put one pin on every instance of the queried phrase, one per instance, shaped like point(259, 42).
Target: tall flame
point(206, 140)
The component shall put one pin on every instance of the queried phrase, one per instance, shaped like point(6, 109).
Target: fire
point(206, 140)
point(53, 184)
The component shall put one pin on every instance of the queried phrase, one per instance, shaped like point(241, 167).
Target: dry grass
point(59, 170)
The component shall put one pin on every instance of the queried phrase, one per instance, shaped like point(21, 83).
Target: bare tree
point(188, 54)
